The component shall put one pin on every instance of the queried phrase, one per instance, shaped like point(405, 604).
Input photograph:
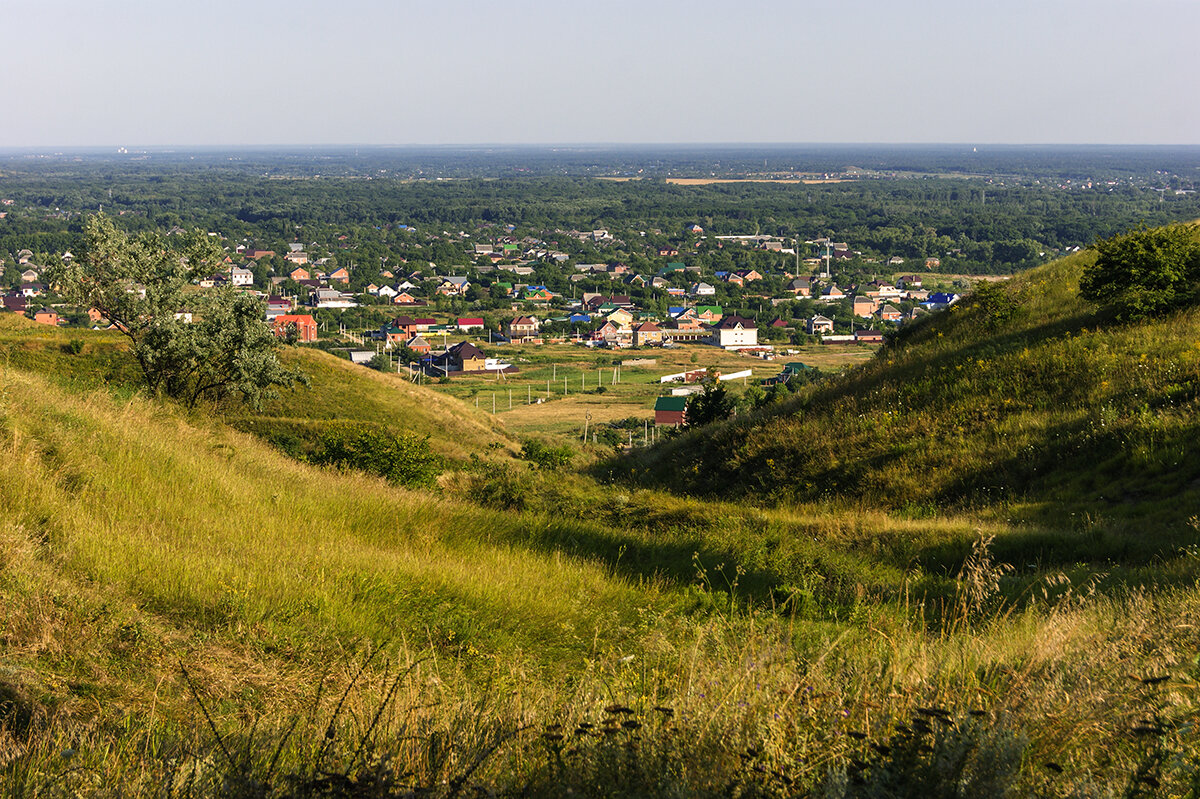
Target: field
point(545, 369)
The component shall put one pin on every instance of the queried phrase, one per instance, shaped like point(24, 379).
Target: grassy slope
point(134, 538)
point(1054, 415)
point(340, 392)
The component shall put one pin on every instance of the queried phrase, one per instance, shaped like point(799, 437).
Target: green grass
point(1054, 415)
point(511, 606)
point(339, 394)
point(543, 370)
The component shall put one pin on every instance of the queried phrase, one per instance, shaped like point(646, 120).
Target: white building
point(734, 331)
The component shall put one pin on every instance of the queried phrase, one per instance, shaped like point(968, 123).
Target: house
point(933, 263)
point(864, 306)
point(462, 357)
point(908, 282)
point(790, 370)
point(418, 345)
point(277, 306)
point(425, 323)
point(670, 410)
point(468, 323)
point(800, 287)
point(241, 277)
point(46, 317)
point(819, 324)
point(749, 275)
point(890, 313)
point(339, 275)
point(708, 313)
point(620, 316)
point(538, 294)
point(15, 303)
point(613, 335)
point(832, 293)
point(295, 257)
point(299, 274)
point(647, 333)
point(667, 252)
point(332, 298)
point(940, 299)
point(453, 286)
point(868, 336)
point(254, 255)
point(734, 331)
point(702, 290)
point(735, 279)
point(29, 276)
point(32, 289)
point(304, 325)
point(522, 328)
point(694, 228)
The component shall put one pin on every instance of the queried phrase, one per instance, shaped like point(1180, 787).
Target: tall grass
point(1052, 411)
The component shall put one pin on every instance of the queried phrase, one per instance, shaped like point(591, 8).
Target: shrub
point(996, 306)
point(546, 457)
point(1144, 272)
point(400, 457)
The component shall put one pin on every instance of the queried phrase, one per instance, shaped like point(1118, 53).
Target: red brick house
point(304, 324)
point(46, 317)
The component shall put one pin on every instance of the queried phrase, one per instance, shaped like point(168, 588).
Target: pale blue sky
point(219, 72)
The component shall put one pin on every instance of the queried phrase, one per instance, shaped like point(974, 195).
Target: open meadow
point(566, 378)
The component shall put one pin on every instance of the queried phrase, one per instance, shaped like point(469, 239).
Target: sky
point(286, 72)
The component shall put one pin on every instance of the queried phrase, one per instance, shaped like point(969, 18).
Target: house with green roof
point(670, 410)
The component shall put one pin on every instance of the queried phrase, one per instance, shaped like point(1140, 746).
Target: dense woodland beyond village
point(827, 471)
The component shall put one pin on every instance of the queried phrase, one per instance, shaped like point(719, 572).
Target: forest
point(991, 213)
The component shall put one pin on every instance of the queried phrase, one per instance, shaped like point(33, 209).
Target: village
point(514, 301)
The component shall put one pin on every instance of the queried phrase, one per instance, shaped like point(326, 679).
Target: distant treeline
point(994, 224)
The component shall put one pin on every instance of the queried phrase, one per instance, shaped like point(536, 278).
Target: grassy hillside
point(138, 543)
point(186, 606)
point(1025, 401)
point(339, 393)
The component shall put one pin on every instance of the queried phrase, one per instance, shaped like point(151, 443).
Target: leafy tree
point(190, 345)
point(1145, 271)
point(711, 405)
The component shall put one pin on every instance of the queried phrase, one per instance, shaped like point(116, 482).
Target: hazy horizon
point(373, 73)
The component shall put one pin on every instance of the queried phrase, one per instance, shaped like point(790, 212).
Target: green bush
point(546, 457)
point(400, 457)
point(1144, 272)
